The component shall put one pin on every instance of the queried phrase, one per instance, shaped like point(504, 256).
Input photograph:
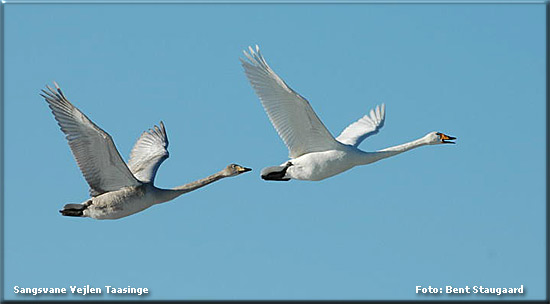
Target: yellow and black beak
point(242, 169)
point(446, 139)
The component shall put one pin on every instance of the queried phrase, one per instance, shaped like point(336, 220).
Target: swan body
point(318, 165)
point(118, 189)
point(120, 203)
point(314, 153)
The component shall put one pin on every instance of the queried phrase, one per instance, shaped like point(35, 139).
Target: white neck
point(392, 151)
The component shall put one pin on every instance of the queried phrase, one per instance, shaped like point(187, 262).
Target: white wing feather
point(291, 114)
point(150, 150)
point(355, 133)
point(93, 149)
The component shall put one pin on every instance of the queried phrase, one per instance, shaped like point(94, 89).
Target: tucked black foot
point(74, 209)
point(275, 176)
point(276, 173)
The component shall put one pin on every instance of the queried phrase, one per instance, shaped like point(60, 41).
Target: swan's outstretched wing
point(368, 125)
point(93, 148)
point(291, 114)
point(150, 150)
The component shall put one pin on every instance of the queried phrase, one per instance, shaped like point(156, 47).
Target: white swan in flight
point(116, 189)
point(314, 153)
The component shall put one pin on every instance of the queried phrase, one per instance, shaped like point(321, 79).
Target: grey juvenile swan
point(116, 189)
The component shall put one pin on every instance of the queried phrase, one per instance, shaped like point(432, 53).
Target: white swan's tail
point(276, 173)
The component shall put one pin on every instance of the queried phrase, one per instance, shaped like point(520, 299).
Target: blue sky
point(469, 214)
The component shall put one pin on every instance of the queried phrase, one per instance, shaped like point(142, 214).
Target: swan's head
point(436, 138)
point(235, 169)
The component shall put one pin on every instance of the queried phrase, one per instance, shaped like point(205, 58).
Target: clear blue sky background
point(468, 214)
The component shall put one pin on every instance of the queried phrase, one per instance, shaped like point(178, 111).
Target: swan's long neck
point(170, 194)
point(392, 151)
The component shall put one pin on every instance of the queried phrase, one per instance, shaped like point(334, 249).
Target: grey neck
point(170, 194)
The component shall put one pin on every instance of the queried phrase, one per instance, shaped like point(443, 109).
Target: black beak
point(449, 138)
point(446, 138)
point(244, 169)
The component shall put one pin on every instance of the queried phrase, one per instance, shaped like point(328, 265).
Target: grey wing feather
point(92, 148)
point(290, 113)
point(368, 125)
point(150, 150)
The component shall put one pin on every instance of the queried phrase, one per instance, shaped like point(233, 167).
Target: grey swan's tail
point(75, 209)
point(276, 173)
